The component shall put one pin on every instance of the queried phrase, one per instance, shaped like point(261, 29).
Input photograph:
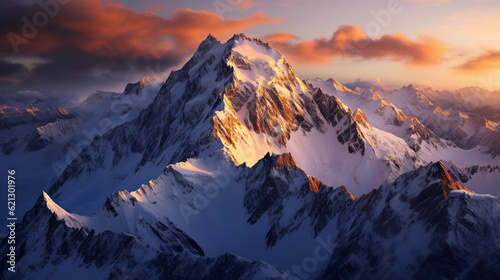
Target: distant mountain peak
point(361, 119)
point(240, 36)
point(338, 85)
point(46, 206)
point(410, 86)
point(244, 37)
point(208, 43)
point(146, 80)
point(448, 183)
point(435, 183)
point(314, 184)
point(372, 93)
point(136, 88)
point(286, 159)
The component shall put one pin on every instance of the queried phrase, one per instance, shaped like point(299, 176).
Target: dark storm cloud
point(81, 46)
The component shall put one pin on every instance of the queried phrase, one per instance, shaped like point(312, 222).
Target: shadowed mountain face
point(238, 169)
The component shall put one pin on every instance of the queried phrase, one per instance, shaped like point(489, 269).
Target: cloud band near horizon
point(352, 41)
point(81, 46)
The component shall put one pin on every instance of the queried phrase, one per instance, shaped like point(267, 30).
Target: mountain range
point(235, 168)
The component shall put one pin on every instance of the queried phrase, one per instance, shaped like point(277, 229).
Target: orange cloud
point(280, 37)
point(114, 30)
point(352, 41)
point(246, 4)
point(487, 61)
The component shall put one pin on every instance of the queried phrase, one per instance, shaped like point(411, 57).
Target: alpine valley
point(236, 168)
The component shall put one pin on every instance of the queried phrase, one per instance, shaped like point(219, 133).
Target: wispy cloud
point(487, 61)
point(364, 83)
point(11, 73)
point(22, 99)
point(246, 4)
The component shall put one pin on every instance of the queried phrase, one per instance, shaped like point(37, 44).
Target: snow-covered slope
point(40, 151)
point(277, 214)
point(406, 124)
point(54, 245)
point(384, 115)
point(467, 130)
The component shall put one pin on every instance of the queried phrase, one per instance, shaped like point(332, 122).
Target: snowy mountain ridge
point(249, 119)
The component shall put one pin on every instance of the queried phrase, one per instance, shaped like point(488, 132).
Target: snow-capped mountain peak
point(136, 88)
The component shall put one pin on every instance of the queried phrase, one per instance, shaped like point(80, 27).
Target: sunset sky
point(81, 46)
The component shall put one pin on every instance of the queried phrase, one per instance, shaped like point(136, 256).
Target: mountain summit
point(244, 97)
